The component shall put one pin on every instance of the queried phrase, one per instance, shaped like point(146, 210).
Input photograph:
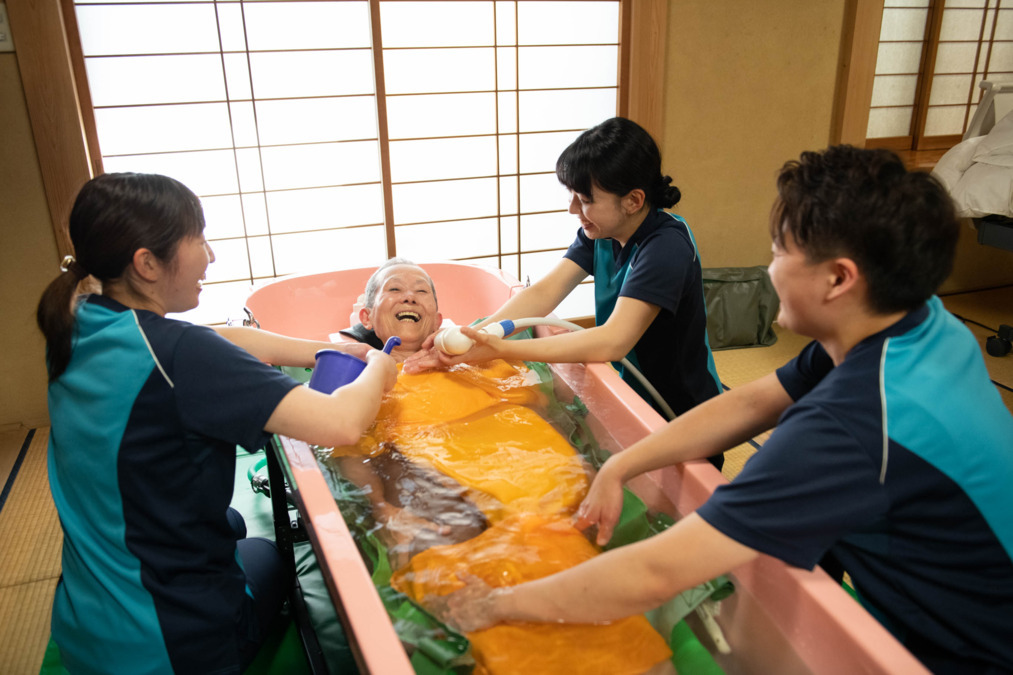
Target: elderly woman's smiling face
point(404, 306)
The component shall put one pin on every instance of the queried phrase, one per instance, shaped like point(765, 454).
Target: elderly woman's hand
point(400, 530)
point(472, 608)
point(422, 360)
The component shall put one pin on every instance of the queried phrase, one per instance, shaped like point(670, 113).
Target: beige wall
point(28, 259)
point(749, 85)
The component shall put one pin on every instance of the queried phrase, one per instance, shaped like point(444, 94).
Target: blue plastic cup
point(334, 369)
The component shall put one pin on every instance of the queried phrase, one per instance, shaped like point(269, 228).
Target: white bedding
point(978, 172)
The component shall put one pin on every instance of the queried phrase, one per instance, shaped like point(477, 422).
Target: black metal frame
point(288, 531)
point(996, 231)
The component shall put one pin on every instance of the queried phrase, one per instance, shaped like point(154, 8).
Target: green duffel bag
point(741, 307)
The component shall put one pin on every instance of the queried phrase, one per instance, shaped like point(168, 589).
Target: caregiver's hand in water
point(604, 502)
point(470, 609)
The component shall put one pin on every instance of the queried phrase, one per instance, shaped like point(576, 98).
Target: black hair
point(898, 226)
point(114, 215)
point(618, 156)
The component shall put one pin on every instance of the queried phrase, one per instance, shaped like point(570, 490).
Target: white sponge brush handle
point(452, 341)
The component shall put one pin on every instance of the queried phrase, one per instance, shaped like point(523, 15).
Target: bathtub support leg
point(288, 531)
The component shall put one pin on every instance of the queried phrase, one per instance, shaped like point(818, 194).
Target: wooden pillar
point(856, 70)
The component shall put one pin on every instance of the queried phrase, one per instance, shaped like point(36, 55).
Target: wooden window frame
point(916, 140)
point(51, 65)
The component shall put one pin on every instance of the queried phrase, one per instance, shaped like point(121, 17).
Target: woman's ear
point(146, 265)
point(364, 319)
point(633, 201)
point(844, 277)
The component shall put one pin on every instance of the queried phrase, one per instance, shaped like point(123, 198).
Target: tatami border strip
point(14, 470)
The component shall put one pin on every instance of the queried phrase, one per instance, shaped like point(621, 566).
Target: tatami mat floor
point(30, 536)
point(739, 366)
point(30, 540)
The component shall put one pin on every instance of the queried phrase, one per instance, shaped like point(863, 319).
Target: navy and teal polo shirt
point(898, 462)
point(659, 265)
point(145, 422)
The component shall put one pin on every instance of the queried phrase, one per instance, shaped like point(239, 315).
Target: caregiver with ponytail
point(146, 414)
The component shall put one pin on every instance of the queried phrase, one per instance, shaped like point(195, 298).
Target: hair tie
point(71, 265)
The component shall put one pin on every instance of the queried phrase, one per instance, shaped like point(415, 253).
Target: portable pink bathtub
point(779, 620)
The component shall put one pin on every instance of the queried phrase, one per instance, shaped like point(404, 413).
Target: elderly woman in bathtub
point(455, 494)
point(416, 506)
point(400, 299)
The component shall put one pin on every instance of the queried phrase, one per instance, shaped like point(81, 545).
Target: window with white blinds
point(932, 55)
point(305, 126)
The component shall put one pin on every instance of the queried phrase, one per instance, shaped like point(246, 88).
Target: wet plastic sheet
point(522, 548)
point(473, 424)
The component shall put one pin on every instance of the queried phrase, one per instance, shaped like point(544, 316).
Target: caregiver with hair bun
point(648, 285)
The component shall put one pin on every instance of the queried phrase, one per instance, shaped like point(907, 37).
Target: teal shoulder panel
point(941, 405)
point(712, 367)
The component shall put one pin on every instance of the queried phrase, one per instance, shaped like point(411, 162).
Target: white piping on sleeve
point(152, 351)
point(882, 403)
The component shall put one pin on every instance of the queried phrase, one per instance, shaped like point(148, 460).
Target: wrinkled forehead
point(410, 275)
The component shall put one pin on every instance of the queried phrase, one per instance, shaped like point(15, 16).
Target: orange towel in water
point(508, 452)
point(456, 393)
point(472, 424)
point(523, 548)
